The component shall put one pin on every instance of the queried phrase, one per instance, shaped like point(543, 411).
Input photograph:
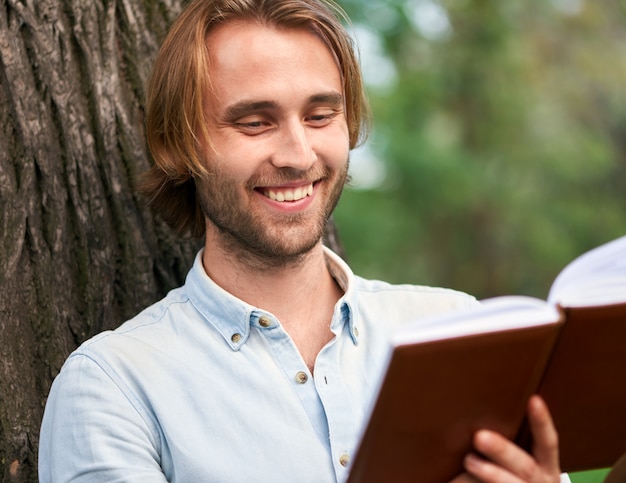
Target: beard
point(260, 239)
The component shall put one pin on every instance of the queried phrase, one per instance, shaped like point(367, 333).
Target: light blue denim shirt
point(203, 387)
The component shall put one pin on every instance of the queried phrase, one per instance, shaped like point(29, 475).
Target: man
point(261, 367)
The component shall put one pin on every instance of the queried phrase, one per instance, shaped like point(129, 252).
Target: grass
point(595, 476)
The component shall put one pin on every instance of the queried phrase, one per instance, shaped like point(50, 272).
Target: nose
point(294, 149)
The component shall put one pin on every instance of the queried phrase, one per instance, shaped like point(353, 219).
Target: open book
point(451, 375)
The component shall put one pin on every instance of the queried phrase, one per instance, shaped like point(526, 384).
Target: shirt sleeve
point(94, 431)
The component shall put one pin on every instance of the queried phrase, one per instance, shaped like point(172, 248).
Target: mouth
point(287, 194)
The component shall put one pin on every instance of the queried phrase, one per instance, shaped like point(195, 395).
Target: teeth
point(289, 194)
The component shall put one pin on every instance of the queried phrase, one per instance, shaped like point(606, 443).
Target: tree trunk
point(79, 253)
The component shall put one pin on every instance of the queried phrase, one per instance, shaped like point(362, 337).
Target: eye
point(319, 117)
point(322, 117)
point(252, 127)
point(252, 124)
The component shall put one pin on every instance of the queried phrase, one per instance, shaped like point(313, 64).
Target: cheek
point(337, 152)
point(333, 144)
point(236, 161)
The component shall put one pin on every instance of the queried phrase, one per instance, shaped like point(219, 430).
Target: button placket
point(338, 409)
point(296, 373)
point(301, 377)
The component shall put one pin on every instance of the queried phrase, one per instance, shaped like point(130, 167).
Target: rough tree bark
point(79, 253)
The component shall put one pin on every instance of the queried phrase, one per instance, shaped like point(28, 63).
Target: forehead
point(252, 60)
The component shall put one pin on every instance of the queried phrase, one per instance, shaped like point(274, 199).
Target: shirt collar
point(227, 313)
point(232, 316)
point(344, 277)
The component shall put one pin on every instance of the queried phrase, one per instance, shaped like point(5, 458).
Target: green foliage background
point(502, 135)
point(503, 140)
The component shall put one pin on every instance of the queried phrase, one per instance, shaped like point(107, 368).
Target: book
point(450, 375)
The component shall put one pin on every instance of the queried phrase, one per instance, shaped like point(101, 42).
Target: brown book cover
point(585, 387)
point(483, 381)
point(439, 389)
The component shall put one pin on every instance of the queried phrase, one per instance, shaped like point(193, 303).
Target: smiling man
point(261, 367)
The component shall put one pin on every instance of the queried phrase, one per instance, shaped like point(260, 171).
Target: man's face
point(279, 155)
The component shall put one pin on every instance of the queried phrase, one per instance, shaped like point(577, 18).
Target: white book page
point(597, 277)
point(499, 313)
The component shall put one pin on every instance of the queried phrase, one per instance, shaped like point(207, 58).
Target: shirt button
point(356, 332)
point(236, 338)
point(344, 459)
point(301, 377)
point(265, 321)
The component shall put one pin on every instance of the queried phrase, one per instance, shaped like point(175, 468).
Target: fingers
point(505, 462)
point(545, 437)
point(465, 478)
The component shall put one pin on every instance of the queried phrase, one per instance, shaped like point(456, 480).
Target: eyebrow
point(331, 98)
point(245, 108)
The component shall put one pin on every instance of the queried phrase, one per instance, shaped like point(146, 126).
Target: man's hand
point(504, 462)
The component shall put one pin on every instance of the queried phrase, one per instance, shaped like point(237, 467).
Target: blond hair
point(180, 86)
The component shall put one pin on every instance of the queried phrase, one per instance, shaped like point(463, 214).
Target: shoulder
point(153, 324)
point(377, 294)
point(121, 363)
point(404, 302)
point(418, 293)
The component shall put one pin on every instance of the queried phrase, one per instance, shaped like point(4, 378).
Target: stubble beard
point(256, 240)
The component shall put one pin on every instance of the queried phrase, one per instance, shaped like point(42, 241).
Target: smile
point(288, 194)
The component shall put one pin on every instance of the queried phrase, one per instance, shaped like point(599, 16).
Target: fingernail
point(471, 461)
point(483, 437)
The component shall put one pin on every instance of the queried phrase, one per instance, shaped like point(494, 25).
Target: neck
point(294, 292)
point(302, 293)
